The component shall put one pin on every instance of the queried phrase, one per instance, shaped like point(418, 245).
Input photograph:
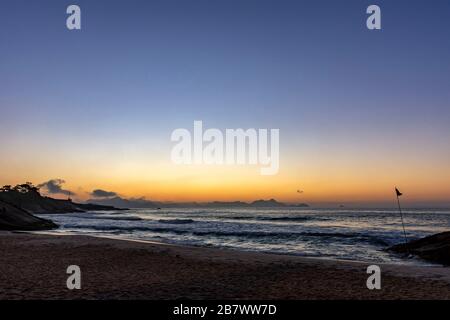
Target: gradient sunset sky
point(359, 111)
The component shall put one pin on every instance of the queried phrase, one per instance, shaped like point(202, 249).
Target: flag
point(398, 192)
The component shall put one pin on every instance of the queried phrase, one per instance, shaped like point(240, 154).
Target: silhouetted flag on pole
point(401, 214)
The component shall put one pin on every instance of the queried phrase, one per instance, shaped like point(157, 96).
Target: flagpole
point(401, 215)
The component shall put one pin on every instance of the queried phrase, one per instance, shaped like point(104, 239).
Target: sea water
point(361, 235)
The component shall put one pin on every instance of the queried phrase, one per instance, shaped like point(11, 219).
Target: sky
point(359, 111)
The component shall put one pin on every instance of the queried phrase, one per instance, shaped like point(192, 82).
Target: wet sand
point(33, 266)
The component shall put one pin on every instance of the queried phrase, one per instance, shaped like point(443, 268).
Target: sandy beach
point(33, 266)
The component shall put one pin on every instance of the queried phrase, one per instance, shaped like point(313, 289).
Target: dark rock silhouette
point(19, 203)
point(435, 248)
point(13, 218)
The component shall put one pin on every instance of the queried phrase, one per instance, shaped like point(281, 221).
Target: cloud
point(54, 186)
point(103, 194)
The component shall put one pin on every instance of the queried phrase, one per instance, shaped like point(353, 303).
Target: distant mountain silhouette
point(267, 203)
point(119, 202)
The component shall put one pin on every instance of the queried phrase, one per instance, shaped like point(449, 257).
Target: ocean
point(360, 235)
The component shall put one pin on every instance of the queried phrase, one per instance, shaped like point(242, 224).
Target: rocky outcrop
point(435, 248)
point(28, 198)
point(13, 218)
point(19, 203)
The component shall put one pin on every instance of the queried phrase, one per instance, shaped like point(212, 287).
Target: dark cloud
point(54, 186)
point(103, 194)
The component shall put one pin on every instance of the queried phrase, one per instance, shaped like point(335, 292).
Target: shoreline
point(416, 263)
point(34, 267)
point(421, 263)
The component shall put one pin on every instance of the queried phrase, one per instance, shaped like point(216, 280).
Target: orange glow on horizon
point(323, 179)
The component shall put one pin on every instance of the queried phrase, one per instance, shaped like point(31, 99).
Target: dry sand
point(33, 266)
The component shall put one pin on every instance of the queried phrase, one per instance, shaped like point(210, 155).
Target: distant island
point(143, 203)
